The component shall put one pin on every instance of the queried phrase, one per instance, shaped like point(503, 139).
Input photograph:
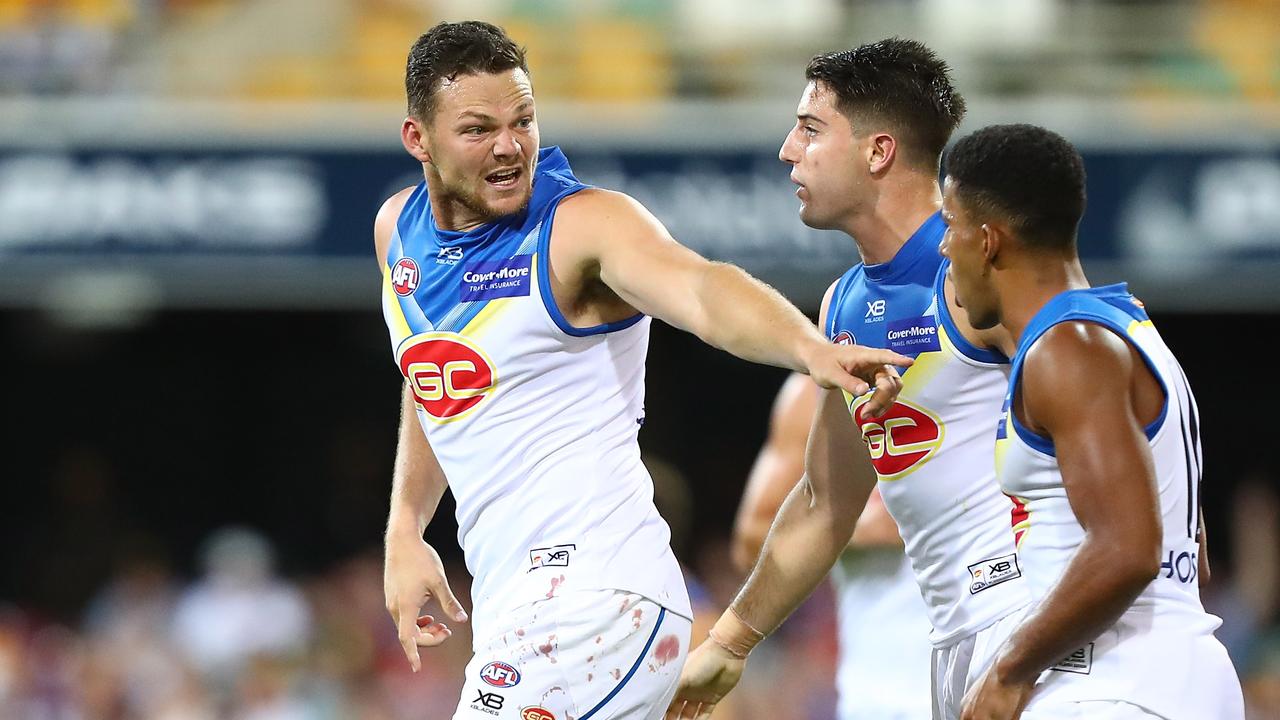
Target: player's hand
point(709, 674)
point(857, 369)
point(413, 575)
point(992, 699)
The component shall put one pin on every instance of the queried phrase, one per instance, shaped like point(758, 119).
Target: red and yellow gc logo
point(900, 440)
point(449, 375)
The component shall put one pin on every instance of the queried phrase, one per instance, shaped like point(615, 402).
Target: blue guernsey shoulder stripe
point(962, 344)
point(1110, 306)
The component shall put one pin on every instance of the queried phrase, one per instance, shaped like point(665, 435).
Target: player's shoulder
point(385, 221)
point(1077, 356)
point(824, 310)
point(595, 205)
point(846, 289)
point(592, 221)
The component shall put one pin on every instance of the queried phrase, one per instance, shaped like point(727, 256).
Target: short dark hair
point(1031, 176)
point(900, 82)
point(451, 49)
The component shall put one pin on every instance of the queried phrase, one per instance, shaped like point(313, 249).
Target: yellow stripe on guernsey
point(391, 310)
point(483, 320)
point(1137, 325)
point(926, 366)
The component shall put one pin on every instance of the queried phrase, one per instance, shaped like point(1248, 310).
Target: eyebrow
point(478, 115)
point(814, 118)
point(489, 118)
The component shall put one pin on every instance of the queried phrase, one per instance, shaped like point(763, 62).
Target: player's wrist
point(808, 350)
point(405, 530)
point(735, 635)
point(1008, 671)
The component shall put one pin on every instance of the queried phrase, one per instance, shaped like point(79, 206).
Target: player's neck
point(1026, 290)
point(447, 212)
point(898, 211)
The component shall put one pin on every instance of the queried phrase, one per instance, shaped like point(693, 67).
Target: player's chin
point(508, 201)
point(814, 219)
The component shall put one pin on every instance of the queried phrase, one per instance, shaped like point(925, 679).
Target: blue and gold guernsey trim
point(952, 332)
point(466, 277)
point(1110, 306)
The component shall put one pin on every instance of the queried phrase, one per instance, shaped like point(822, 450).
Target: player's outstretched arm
point(613, 235)
point(1112, 493)
point(413, 574)
point(811, 529)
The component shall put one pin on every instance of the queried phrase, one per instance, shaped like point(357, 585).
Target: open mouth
point(503, 178)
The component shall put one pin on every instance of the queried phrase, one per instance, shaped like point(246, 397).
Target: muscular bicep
point(633, 254)
point(1077, 387)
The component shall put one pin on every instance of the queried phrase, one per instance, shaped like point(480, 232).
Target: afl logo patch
point(536, 713)
point(901, 440)
point(500, 675)
point(405, 276)
point(844, 337)
point(449, 375)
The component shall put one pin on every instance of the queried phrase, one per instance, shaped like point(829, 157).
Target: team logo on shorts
point(844, 337)
point(449, 375)
point(536, 713)
point(500, 675)
point(405, 276)
point(901, 440)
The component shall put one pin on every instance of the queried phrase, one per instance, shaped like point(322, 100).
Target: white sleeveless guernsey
point(534, 421)
point(933, 450)
point(1161, 654)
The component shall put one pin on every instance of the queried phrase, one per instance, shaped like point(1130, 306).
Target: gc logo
point(900, 440)
point(449, 375)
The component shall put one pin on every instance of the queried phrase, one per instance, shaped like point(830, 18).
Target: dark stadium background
point(286, 421)
point(191, 341)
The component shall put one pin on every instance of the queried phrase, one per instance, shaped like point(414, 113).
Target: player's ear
point(414, 138)
point(992, 238)
point(881, 151)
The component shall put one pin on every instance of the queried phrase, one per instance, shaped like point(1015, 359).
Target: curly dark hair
point(1030, 176)
point(451, 49)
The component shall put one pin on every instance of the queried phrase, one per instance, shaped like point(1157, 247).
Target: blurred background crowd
point(199, 405)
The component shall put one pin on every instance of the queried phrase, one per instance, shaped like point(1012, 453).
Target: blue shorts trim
point(661, 615)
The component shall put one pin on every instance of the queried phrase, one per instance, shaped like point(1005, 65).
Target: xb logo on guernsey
point(449, 375)
point(405, 276)
point(901, 440)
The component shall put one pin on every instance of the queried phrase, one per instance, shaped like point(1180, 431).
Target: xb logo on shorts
point(449, 375)
point(405, 276)
point(901, 440)
point(500, 675)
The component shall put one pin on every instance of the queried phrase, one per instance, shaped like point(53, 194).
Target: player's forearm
point(808, 535)
point(1099, 584)
point(748, 538)
point(417, 482)
point(746, 317)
